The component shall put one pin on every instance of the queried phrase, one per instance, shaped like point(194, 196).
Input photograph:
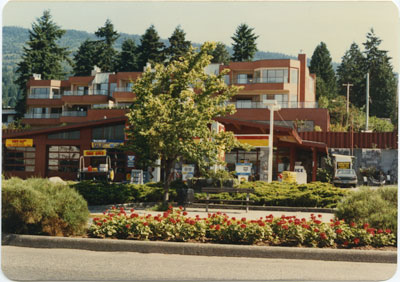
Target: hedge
point(38, 206)
point(316, 194)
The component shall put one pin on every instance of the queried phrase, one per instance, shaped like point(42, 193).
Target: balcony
point(44, 96)
point(41, 116)
point(73, 116)
point(86, 92)
point(41, 119)
point(85, 97)
point(44, 100)
point(244, 104)
point(123, 89)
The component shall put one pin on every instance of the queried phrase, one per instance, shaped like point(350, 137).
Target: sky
point(288, 27)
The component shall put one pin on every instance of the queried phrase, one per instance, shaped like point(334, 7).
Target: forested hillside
point(14, 39)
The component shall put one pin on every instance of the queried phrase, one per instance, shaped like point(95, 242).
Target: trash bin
point(185, 196)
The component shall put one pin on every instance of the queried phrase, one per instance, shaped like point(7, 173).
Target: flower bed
point(175, 225)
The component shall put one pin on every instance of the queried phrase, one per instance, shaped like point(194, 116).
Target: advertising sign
point(343, 165)
point(131, 161)
point(106, 144)
point(19, 142)
point(94, 153)
point(256, 140)
point(187, 171)
point(243, 171)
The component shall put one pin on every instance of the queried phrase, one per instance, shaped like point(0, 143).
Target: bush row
point(175, 225)
point(316, 194)
point(38, 206)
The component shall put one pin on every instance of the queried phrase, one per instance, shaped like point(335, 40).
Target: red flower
point(261, 223)
point(228, 222)
point(243, 225)
point(128, 226)
point(180, 207)
point(317, 221)
point(305, 226)
point(165, 214)
point(290, 221)
point(371, 231)
point(219, 213)
point(132, 210)
point(217, 227)
point(233, 218)
point(316, 230)
point(380, 231)
point(285, 227)
point(388, 231)
point(145, 223)
point(184, 213)
point(99, 223)
point(172, 220)
point(352, 224)
point(356, 241)
point(339, 231)
point(104, 220)
point(323, 236)
point(346, 243)
point(243, 219)
point(192, 222)
point(337, 222)
point(366, 225)
point(320, 215)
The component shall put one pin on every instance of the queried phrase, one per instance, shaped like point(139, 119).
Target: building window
point(19, 159)
point(271, 76)
point(65, 135)
point(115, 132)
point(294, 76)
point(64, 158)
point(118, 160)
point(40, 91)
point(226, 79)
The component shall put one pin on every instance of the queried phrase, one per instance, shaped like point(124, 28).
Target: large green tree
point(321, 65)
point(179, 46)
point(244, 43)
point(41, 55)
point(106, 57)
point(382, 78)
point(220, 54)
point(352, 70)
point(151, 49)
point(128, 58)
point(85, 58)
point(171, 115)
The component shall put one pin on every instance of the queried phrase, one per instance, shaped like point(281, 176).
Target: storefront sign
point(343, 165)
point(19, 142)
point(131, 161)
point(289, 176)
point(94, 153)
point(105, 144)
point(243, 168)
point(256, 140)
point(187, 171)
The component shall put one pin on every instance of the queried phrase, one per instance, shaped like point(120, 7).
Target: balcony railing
point(115, 106)
point(259, 80)
point(283, 105)
point(30, 115)
point(44, 96)
point(123, 89)
point(74, 114)
point(82, 93)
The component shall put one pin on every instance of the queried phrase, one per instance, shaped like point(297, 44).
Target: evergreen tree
point(178, 45)
point(106, 57)
point(41, 55)
point(321, 65)
point(128, 58)
point(85, 58)
point(352, 70)
point(220, 54)
point(382, 79)
point(244, 46)
point(150, 48)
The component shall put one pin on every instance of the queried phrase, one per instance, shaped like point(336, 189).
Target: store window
point(63, 158)
point(19, 159)
point(118, 160)
point(115, 132)
point(66, 135)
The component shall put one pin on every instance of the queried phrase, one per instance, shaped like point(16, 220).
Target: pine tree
point(321, 65)
point(220, 54)
point(352, 70)
point(41, 55)
point(178, 45)
point(85, 58)
point(382, 79)
point(244, 46)
point(128, 58)
point(106, 57)
point(150, 48)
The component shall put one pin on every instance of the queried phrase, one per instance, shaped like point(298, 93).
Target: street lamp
point(272, 106)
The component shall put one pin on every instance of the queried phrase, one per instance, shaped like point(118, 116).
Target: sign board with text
point(94, 153)
point(19, 142)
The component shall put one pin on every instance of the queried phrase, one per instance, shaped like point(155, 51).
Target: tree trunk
point(168, 165)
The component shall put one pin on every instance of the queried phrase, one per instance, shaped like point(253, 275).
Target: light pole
point(347, 104)
point(272, 106)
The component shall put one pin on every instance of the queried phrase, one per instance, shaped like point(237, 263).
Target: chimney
point(37, 76)
point(303, 70)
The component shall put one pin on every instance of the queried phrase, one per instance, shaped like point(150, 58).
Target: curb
point(200, 249)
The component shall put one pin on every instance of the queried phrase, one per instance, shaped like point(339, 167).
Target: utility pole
point(367, 103)
point(348, 85)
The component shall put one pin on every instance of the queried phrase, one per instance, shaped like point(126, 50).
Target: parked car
point(345, 178)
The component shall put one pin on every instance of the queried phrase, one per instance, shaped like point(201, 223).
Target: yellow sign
point(94, 153)
point(256, 140)
point(289, 176)
point(343, 165)
point(19, 142)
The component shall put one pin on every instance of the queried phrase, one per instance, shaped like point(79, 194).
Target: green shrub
point(102, 193)
point(378, 207)
point(315, 194)
point(38, 206)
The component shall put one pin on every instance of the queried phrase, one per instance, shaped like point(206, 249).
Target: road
point(66, 264)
